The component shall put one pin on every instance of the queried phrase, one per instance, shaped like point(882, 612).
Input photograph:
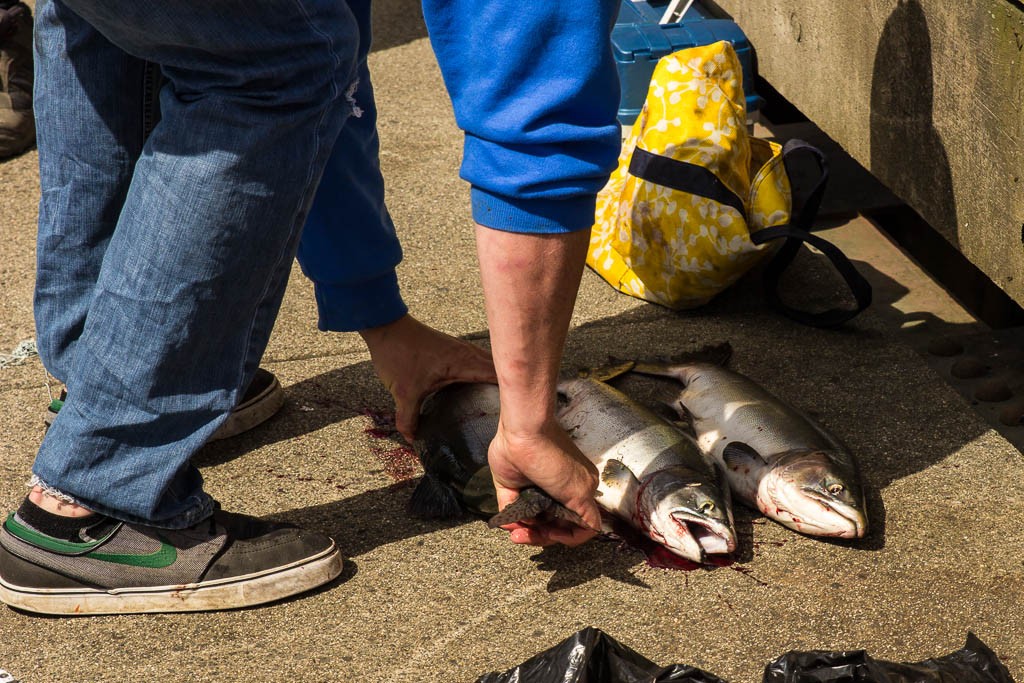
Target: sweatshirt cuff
point(350, 308)
point(538, 216)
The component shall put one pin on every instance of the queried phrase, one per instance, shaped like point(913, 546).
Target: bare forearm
point(530, 284)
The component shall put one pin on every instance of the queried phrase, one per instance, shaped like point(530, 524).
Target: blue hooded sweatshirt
point(534, 87)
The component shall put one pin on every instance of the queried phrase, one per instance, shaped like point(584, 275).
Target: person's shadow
point(903, 135)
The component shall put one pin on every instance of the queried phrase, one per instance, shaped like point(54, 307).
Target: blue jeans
point(348, 247)
point(162, 259)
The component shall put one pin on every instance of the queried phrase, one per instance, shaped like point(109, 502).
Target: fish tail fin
point(432, 499)
point(717, 354)
point(534, 503)
point(605, 373)
point(531, 502)
point(714, 354)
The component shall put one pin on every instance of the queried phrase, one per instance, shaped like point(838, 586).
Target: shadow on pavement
point(902, 119)
point(367, 520)
point(856, 381)
point(396, 22)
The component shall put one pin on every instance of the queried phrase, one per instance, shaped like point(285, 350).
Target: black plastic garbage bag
point(975, 663)
point(592, 656)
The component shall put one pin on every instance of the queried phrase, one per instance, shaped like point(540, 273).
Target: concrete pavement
point(450, 601)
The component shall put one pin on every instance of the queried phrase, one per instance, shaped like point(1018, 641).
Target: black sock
point(57, 526)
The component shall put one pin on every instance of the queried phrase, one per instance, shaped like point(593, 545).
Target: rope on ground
point(22, 352)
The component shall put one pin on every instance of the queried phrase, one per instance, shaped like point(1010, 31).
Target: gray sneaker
point(226, 561)
point(17, 125)
point(261, 401)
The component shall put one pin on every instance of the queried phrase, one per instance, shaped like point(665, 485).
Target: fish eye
point(707, 506)
point(836, 488)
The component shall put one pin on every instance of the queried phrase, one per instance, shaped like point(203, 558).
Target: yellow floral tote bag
point(696, 202)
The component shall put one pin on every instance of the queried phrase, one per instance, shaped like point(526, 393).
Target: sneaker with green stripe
point(112, 567)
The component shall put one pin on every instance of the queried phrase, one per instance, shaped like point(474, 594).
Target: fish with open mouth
point(777, 459)
point(652, 476)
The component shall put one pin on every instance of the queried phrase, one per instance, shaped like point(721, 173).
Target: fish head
point(687, 514)
point(816, 493)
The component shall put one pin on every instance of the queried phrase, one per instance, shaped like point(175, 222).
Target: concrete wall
point(928, 94)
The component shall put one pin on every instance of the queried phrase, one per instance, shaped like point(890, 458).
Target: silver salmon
point(456, 427)
point(651, 475)
point(777, 459)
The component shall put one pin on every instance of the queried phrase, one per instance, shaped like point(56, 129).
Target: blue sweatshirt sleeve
point(535, 89)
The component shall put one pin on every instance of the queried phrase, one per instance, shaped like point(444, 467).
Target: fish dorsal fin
point(616, 474)
point(433, 499)
point(737, 454)
point(605, 373)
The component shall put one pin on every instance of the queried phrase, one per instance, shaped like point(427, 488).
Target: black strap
point(805, 209)
point(798, 231)
point(683, 177)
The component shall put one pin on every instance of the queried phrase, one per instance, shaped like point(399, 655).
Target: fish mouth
point(706, 536)
point(847, 520)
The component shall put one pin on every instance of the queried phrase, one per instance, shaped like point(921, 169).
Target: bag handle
point(798, 231)
point(682, 176)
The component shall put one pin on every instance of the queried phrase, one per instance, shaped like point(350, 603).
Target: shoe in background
point(17, 125)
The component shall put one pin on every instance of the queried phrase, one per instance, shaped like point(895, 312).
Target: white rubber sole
point(253, 412)
point(241, 591)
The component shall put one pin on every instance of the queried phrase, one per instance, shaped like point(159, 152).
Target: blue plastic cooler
point(639, 41)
